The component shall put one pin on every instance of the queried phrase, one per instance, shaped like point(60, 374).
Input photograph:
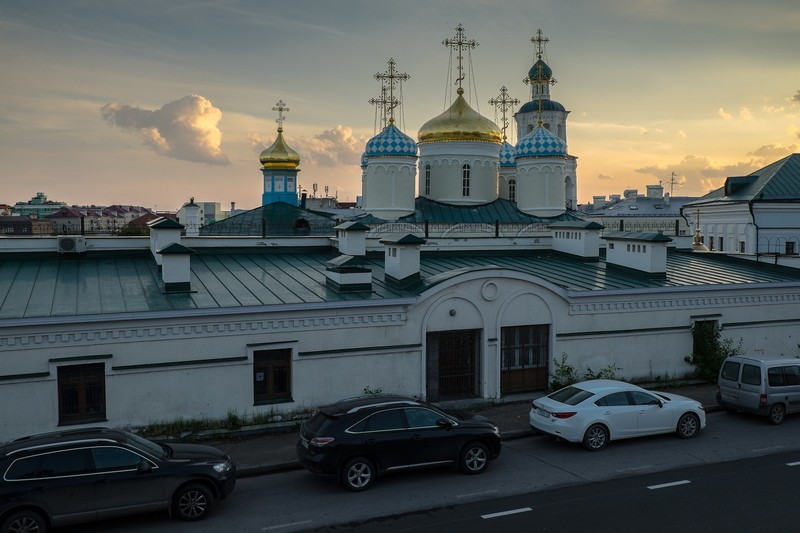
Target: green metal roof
point(68, 286)
point(504, 211)
point(779, 181)
point(649, 236)
point(275, 219)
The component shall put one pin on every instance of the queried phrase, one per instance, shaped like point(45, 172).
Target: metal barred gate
point(453, 365)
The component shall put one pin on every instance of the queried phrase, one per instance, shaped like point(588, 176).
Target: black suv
point(358, 438)
point(80, 475)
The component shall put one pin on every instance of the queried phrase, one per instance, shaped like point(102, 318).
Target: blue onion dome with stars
point(507, 154)
point(391, 142)
point(541, 142)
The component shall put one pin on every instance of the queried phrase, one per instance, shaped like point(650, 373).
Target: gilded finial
point(459, 43)
point(280, 107)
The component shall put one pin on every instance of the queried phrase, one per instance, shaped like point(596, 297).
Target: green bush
point(711, 353)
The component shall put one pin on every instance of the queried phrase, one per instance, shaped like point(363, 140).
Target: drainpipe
point(753, 216)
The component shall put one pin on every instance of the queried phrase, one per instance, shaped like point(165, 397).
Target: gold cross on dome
point(540, 41)
point(459, 44)
point(280, 107)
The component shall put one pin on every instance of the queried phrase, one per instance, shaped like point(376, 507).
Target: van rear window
point(751, 375)
point(730, 370)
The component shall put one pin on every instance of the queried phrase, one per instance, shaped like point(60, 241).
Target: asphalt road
point(298, 501)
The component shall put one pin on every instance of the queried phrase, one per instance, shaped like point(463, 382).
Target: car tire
point(192, 502)
point(596, 438)
point(358, 474)
point(474, 458)
point(776, 414)
point(24, 522)
point(688, 426)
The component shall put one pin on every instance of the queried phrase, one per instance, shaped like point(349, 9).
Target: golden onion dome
point(279, 155)
point(460, 123)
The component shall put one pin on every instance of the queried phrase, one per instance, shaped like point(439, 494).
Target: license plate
point(542, 412)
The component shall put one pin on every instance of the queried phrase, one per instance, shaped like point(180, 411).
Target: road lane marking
point(768, 449)
point(506, 513)
point(796, 463)
point(290, 524)
point(666, 485)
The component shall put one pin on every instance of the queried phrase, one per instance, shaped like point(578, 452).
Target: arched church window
point(512, 190)
point(427, 179)
point(465, 170)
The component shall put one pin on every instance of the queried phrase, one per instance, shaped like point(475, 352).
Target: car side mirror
point(444, 423)
point(143, 467)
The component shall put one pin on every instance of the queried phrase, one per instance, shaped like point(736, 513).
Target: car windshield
point(570, 395)
point(159, 451)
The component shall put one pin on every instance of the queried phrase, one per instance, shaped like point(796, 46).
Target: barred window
point(465, 170)
point(272, 375)
point(81, 393)
point(512, 190)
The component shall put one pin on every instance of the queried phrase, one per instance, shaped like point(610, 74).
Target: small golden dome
point(279, 155)
point(460, 123)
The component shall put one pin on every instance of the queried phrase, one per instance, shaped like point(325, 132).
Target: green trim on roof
point(174, 249)
point(576, 224)
point(636, 236)
point(352, 226)
point(165, 223)
point(409, 238)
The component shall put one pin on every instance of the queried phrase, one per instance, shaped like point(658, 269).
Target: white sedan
point(598, 411)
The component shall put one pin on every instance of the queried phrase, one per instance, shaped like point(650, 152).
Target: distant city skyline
point(146, 103)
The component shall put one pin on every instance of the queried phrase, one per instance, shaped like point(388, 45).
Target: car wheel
point(24, 522)
point(358, 474)
point(776, 414)
point(474, 458)
point(192, 502)
point(688, 426)
point(595, 438)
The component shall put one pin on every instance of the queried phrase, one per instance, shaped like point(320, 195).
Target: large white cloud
point(330, 148)
point(183, 129)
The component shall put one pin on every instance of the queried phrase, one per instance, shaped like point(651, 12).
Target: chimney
point(233, 207)
point(352, 238)
point(598, 202)
point(577, 237)
point(645, 252)
point(163, 232)
point(655, 191)
point(176, 268)
point(193, 223)
point(401, 259)
point(348, 274)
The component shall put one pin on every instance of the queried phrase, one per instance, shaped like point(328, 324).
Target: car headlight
point(221, 468)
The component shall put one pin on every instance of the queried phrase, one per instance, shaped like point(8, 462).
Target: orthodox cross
point(382, 105)
point(280, 107)
point(390, 79)
point(503, 102)
point(459, 44)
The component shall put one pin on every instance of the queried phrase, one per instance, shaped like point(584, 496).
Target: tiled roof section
point(504, 211)
point(778, 181)
point(59, 287)
point(275, 219)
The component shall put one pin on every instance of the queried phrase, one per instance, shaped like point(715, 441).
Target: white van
point(769, 387)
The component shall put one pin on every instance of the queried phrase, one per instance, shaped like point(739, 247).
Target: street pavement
point(274, 451)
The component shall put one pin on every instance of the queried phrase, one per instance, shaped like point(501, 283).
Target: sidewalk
point(274, 452)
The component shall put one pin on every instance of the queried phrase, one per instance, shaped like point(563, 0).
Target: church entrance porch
point(453, 365)
point(524, 358)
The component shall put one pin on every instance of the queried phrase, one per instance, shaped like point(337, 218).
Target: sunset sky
point(151, 102)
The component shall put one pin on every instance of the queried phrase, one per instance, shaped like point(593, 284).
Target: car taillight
point(565, 414)
point(762, 400)
point(320, 441)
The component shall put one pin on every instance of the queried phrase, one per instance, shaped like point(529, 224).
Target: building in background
point(754, 214)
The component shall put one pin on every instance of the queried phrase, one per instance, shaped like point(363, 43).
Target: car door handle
point(607, 413)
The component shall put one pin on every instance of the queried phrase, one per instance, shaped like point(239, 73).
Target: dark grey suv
point(356, 439)
point(82, 475)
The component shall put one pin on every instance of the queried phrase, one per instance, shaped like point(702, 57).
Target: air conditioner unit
point(71, 245)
